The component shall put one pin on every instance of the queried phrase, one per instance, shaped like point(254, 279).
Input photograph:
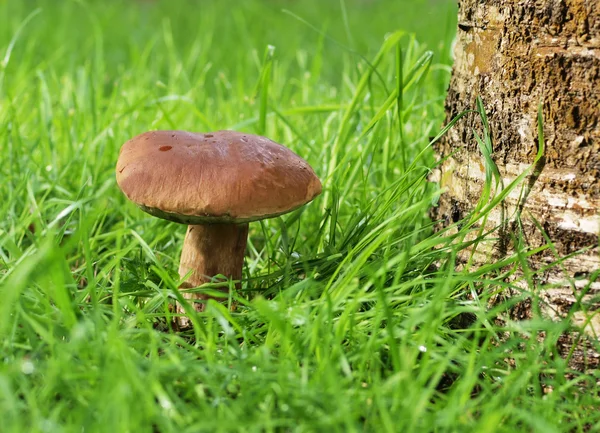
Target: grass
point(348, 318)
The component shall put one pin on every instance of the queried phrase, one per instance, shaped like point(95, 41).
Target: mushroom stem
point(209, 250)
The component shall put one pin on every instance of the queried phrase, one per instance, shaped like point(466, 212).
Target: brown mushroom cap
point(218, 177)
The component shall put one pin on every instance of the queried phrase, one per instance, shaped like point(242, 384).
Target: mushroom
point(216, 183)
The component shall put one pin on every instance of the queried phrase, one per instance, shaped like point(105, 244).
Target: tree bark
point(516, 54)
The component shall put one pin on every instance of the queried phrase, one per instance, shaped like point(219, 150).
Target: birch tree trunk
point(516, 54)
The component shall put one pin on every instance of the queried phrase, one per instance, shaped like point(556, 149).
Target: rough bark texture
point(516, 54)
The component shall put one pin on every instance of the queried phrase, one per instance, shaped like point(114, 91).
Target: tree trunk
point(516, 54)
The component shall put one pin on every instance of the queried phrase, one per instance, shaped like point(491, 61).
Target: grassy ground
point(347, 321)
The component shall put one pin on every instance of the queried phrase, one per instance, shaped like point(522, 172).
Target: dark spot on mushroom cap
point(165, 148)
point(208, 135)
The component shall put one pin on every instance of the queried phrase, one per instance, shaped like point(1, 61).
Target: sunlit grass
point(352, 314)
